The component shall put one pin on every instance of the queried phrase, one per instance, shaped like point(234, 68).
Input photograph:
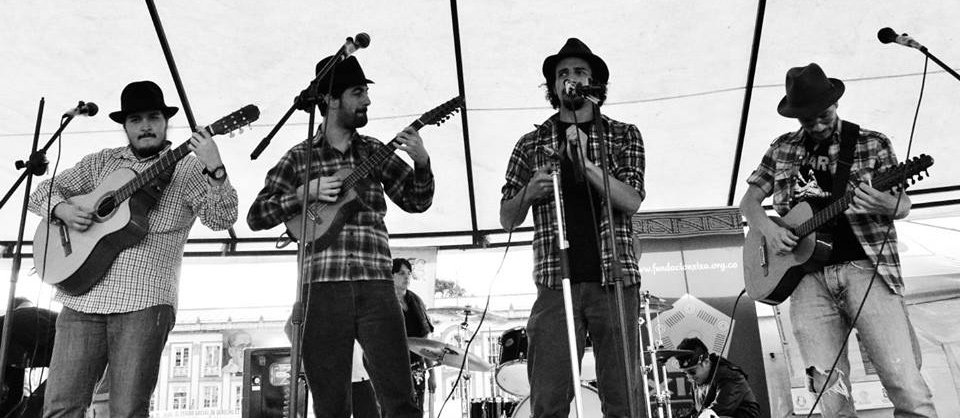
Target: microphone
point(888, 35)
point(362, 40)
point(575, 88)
point(83, 109)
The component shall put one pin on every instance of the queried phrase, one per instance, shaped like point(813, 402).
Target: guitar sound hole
point(106, 207)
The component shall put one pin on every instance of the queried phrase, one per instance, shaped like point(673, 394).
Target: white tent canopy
point(678, 71)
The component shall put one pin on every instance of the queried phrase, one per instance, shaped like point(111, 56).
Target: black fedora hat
point(346, 73)
point(809, 92)
point(576, 48)
point(141, 96)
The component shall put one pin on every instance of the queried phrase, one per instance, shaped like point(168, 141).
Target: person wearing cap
point(800, 166)
point(350, 290)
point(124, 318)
point(567, 136)
point(720, 388)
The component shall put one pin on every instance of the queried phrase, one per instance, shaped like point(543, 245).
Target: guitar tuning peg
point(240, 129)
point(231, 134)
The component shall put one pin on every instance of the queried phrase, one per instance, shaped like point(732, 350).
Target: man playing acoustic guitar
point(350, 291)
point(124, 318)
point(826, 300)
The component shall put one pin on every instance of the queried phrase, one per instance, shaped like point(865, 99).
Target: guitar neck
point(166, 161)
point(375, 160)
point(822, 217)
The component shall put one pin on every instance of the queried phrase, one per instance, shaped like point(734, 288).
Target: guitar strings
point(886, 240)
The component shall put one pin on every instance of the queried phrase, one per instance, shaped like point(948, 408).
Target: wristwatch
point(217, 174)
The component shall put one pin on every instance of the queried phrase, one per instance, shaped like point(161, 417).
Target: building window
point(178, 398)
point(237, 398)
point(212, 354)
point(211, 397)
point(181, 361)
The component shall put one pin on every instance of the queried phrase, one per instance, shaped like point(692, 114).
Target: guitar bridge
point(763, 256)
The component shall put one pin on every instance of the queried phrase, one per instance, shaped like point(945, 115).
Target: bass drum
point(591, 405)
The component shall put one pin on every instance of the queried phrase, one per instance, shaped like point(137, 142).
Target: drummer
point(417, 323)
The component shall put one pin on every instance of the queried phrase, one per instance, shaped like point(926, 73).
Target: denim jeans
point(131, 343)
point(821, 310)
point(338, 313)
point(551, 390)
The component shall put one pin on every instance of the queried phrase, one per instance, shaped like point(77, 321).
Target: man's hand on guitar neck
point(324, 189)
point(73, 216)
point(412, 144)
point(867, 200)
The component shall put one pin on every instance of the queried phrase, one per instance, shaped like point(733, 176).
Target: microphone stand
point(36, 165)
point(940, 63)
point(567, 294)
point(616, 270)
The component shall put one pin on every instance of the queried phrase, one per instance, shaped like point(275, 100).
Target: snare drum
point(591, 405)
point(512, 370)
point(491, 408)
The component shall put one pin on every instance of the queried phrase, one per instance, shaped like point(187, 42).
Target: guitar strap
point(849, 134)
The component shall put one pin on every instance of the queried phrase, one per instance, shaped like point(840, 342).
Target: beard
point(573, 103)
point(354, 120)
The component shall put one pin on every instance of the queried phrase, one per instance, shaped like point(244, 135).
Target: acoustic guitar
point(326, 219)
point(771, 278)
point(75, 261)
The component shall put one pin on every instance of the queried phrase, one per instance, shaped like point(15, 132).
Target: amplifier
point(266, 384)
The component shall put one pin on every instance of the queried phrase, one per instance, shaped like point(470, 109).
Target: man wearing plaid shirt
point(556, 145)
point(350, 293)
point(124, 319)
point(800, 166)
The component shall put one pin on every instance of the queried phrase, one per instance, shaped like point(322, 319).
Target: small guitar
point(75, 261)
point(327, 218)
point(771, 278)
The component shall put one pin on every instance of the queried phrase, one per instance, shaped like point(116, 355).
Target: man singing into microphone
point(569, 142)
point(350, 293)
point(863, 266)
point(124, 319)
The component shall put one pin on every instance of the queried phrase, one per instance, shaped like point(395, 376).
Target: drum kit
point(510, 372)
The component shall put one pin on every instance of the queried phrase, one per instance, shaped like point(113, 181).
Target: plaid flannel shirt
point(148, 273)
point(361, 251)
point(625, 159)
point(777, 176)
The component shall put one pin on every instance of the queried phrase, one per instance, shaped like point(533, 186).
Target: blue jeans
point(130, 342)
point(821, 310)
point(368, 311)
point(551, 390)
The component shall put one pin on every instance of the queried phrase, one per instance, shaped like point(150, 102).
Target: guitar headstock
point(441, 113)
point(236, 120)
point(903, 174)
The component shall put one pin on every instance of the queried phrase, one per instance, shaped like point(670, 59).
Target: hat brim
point(120, 116)
point(811, 109)
point(599, 68)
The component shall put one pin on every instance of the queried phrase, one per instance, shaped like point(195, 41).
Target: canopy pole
point(747, 95)
point(477, 239)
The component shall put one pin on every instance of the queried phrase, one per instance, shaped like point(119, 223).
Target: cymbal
point(664, 355)
point(655, 304)
point(465, 312)
point(446, 354)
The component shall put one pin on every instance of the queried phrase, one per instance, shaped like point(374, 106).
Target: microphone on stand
point(888, 35)
point(83, 109)
point(352, 44)
point(576, 88)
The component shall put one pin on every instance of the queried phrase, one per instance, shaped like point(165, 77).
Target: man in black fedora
point(720, 388)
point(569, 136)
point(817, 164)
point(350, 292)
point(124, 319)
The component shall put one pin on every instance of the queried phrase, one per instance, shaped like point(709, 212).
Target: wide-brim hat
point(345, 74)
point(141, 96)
point(809, 92)
point(576, 48)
